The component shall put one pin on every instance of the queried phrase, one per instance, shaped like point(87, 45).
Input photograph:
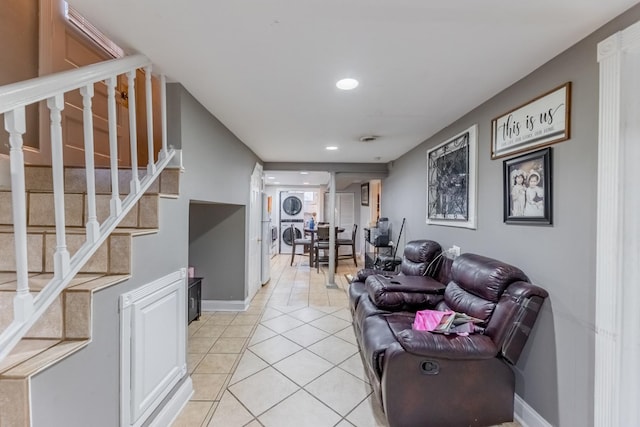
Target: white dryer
point(291, 212)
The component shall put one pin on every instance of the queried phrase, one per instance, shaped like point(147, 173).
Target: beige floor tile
point(228, 345)
point(307, 314)
point(368, 413)
point(334, 349)
point(245, 319)
point(275, 349)
point(260, 334)
point(303, 367)
point(209, 331)
point(194, 326)
point(192, 361)
point(193, 414)
point(282, 323)
point(230, 413)
point(339, 390)
point(207, 386)
point(330, 324)
point(200, 344)
point(216, 364)
point(353, 365)
point(270, 313)
point(237, 331)
point(305, 335)
point(220, 321)
point(347, 335)
point(249, 364)
point(300, 409)
point(262, 390)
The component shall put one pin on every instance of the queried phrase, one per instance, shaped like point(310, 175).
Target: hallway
point(290, 360)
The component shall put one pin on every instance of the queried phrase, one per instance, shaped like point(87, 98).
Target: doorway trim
point(617, 344)
point(254, 241)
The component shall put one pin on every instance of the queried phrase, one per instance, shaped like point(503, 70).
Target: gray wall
point(216, 243)
point(555, 372)
point(85, 386)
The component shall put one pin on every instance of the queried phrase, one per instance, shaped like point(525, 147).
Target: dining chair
point(298, 241)
point(348, 242)
point(321, 244)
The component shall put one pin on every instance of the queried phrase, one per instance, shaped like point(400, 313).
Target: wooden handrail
point(34, 90)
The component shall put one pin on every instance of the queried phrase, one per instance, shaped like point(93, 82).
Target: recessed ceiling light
point(331, 147)
point(305, 183)
point(304, 173)
point(271, 177)
point(347, 84)
point(277, 182)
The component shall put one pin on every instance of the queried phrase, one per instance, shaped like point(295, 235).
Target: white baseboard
point(170, 411)
point(526, 415)
point(216, 305)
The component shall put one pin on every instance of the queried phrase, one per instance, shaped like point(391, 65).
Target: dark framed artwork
point(528, 188)
point(451, 181)
point(364, 194)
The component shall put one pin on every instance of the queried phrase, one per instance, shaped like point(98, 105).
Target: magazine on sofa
point(446, 322)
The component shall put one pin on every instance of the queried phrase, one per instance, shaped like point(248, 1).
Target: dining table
point(312, 231)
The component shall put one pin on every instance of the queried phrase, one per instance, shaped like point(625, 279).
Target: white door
point(255, 218)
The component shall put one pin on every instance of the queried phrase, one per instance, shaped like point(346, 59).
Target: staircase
point(66, 232)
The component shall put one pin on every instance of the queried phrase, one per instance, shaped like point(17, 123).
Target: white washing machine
point(291, 204)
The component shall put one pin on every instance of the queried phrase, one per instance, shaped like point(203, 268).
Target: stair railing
point(27, 308)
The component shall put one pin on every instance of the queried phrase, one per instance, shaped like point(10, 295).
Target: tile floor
point(291, 359)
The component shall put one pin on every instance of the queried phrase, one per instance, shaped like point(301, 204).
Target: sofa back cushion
point(477, 283)
point(417, 256)
point(498, 293)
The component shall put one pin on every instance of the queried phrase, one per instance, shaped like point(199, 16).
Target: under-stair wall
point(84, 389)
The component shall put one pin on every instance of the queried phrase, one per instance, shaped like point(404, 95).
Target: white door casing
point(617, 343)
point(254, 239)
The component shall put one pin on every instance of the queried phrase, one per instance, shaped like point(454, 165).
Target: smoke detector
point(368, 138)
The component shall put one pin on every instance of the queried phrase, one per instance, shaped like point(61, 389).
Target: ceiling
point(267, 69)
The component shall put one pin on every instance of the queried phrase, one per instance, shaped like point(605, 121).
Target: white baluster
point(61, 256)
point(151, 166)
point(163, 109)
point(116, 204)
point(14, 123)
point(93, 228)
point(133, 136)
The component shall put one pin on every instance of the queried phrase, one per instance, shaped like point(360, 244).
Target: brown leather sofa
point(425, 379)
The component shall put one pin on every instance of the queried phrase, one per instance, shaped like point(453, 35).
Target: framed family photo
point(451, 181)
point(527, 188)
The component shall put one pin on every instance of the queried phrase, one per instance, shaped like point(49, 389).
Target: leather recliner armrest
point(364, 273)
point(404, 292)
point(452, 347)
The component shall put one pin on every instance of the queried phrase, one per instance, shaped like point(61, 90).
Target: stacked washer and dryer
point(291, 212)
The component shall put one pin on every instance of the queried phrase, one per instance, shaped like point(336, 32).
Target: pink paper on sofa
point(428, 320)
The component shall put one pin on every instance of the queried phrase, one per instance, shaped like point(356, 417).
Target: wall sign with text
point(540, 122)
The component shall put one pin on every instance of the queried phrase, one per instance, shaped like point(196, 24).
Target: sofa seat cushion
point(430, 344)
point(404, 293)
